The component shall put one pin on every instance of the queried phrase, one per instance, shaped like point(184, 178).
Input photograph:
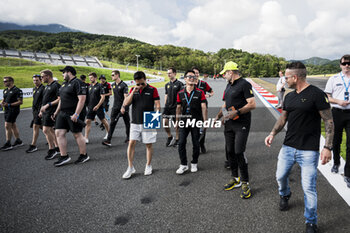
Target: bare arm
point(245, 109)
point(165, 99)
point(332, 100)
point(219, 115)
point(279, 125)
point(157, 105)
point(79, 107)
point(204, 111)
point(326, 154)
point(99, 103)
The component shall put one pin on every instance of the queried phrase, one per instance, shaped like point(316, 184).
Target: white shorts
point(146, 136)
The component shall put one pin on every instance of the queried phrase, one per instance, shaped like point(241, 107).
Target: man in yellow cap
point(238, 102)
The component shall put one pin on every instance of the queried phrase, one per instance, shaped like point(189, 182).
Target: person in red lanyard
point(208, 92)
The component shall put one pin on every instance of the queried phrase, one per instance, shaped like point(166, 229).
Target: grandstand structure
point(51, 58)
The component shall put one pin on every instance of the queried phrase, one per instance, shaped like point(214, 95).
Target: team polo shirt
point(69, 93)
point(11, 96)
point(95, 92)
point(195, 111)
point(335, 87)
point(106, 87)
point(51, 93)
point(204, 86)
point(38, 93)
point(143, 101)
point(304, 120)
point(171, 89)
point(118, 93)
point(236, 95)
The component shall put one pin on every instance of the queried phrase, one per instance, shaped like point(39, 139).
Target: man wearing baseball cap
point(238, 102)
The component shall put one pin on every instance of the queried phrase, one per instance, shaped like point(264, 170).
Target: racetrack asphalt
point(35, 196)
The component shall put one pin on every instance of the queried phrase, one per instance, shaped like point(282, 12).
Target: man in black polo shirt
point(191, 105)
point(169, 113)
point(49, 105)
point(208, 92)
point(38, 92)
point(108, 92)
point(95, 107)
point(238, 102)
point(144, 98)
point(303, 110)
point(120, 92)
point(69, 116)
point(13, 98)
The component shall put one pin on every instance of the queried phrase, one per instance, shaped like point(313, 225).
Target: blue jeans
point(308, 161)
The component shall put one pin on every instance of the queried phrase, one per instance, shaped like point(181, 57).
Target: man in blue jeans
point(303, 110)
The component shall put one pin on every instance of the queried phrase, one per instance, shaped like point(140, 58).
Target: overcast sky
point(294, 29)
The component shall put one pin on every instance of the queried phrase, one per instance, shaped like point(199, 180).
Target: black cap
point(102, 77)
point(69, 69)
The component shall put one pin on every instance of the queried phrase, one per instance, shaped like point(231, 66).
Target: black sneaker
point(246, 193)
point(62, 161)
point(7, 146)
point(170, 141)
point(284, 202)
point(203, 149)
point(82, 159)
point(311, 228)
point(102, 127)
point(32, 149)
point(106, 143)
point(17, 143)
point(96, 123)
point(176, 143)
point(335, 168)
point(57, 149)
point(126, 140)
point(227, 164)
point(51, 154)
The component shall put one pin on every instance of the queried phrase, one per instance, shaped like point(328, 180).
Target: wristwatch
point(329, 148)
point(238, 112)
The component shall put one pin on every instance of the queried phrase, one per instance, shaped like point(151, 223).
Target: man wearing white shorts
point(143, 98)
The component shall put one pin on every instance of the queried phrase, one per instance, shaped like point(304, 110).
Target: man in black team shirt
point(169, 113)
point(303, 110)
point(13, 98)
point(191, 105)
point(120, 92)
point(38, 93)
point(108, 92)
point(208, 92)
point(48, 107)
point(238, 102)
point(69, 116)
point(143, 98)
point(95, 107)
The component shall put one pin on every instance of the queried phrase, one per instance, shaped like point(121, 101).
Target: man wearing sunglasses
point(144, 98)
point(13, 98)
point(191, 106)
point(38, 92)
point(337, 89)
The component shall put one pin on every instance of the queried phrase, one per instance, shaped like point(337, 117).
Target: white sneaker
point(129, 172)
point(181, 169)
point(86, 141)
point(194, 167)
point(105, 138)
point(148, 170)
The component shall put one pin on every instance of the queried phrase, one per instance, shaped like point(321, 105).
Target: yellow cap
point(229, 66)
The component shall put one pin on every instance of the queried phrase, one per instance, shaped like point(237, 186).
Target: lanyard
point(200, 82)
point(188, 101)
point(346, 87)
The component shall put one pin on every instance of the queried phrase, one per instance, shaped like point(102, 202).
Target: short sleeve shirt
point(194, 109)
point(11, 96)
point(119, 90)
point(95, 92)
point(236, 95)
point(69, 93)
point(335, 87)
point(171, 89)
point(51, 93)
point(38, 93)
point(106, 87)
point(204, 86)
point(143, 101)
point(304, 120)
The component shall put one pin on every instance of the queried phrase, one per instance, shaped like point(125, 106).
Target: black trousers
point(183, 133)
point(114, 120)
point(236, 136)
point(341, 121)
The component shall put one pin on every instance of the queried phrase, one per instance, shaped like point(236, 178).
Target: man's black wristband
point(329, 148)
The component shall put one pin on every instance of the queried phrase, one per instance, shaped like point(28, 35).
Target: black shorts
point(47, 120)
point(92, 114)
point(63, 121)
point(11, 115)
point(36, 119)
point(169, 113)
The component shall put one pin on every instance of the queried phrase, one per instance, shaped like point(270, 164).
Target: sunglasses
point(190, 76)
point(5, 81)
point(345, 63)
point(112, 75)
point(140, 84)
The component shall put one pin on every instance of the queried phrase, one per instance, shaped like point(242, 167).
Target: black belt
point(342, 110)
